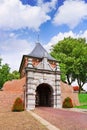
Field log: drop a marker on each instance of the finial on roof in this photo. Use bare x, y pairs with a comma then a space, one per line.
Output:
38, 38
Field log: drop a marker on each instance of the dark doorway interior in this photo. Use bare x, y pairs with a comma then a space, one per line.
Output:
44, 95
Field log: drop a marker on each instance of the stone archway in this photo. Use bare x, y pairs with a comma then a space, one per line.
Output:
44, 95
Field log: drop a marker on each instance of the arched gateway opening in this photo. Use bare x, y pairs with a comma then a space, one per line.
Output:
44, 95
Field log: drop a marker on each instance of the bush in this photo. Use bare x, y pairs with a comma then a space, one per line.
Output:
18, 105
67, 103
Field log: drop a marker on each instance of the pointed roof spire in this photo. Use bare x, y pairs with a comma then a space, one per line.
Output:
38, 38
40, 52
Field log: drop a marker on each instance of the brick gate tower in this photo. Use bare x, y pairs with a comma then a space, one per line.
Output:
42, 79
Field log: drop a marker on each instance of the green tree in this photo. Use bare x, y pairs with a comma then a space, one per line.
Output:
80, 66
71, 53
6, 75
4, 71
14, 75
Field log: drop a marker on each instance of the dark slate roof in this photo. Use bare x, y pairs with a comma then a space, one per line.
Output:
40, 52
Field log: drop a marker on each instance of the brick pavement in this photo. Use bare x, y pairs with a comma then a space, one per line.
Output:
47, 124
64, 119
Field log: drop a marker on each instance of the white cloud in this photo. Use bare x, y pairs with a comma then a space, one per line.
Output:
12, 51
11, 35
71, 13
48, 6
39, 2
15, 15
60, 36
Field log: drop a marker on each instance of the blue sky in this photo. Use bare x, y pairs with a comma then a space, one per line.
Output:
22, 21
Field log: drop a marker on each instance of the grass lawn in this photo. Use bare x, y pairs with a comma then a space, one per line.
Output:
82, 100
82, 107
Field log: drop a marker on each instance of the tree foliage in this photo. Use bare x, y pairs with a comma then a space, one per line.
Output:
4, 71
6, 75
72, 55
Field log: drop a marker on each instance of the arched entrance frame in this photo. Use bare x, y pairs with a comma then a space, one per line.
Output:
44, 95
34, 77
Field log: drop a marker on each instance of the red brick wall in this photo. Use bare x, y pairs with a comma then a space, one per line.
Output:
7, 99
67, 91
11, 90
15, 85
14, 89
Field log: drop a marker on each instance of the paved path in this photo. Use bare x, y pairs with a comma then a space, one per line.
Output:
47, 124
64, 119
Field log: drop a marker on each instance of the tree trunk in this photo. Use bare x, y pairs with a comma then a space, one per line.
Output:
79, 89
68, 80
80, 86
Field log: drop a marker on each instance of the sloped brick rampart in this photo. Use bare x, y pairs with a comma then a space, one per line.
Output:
11, 90
15, 85
7, 99
67, 91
